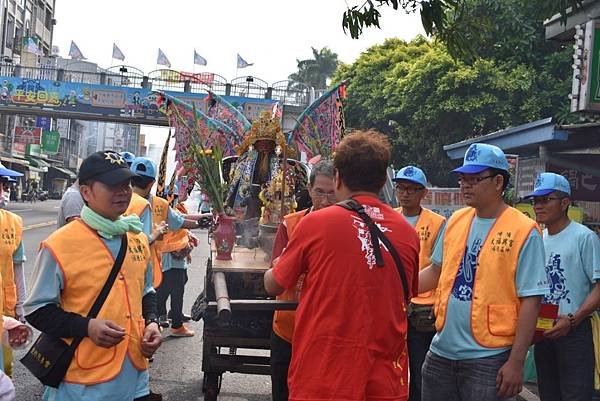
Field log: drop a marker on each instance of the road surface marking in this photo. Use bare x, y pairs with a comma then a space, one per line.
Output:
39, 225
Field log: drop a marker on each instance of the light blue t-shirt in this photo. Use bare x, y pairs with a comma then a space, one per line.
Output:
48, 283
19, 254
169, 262
412, 220
146, 219
174, 219
572, 266
456, 341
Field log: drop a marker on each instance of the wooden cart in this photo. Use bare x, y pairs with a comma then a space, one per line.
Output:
238, 318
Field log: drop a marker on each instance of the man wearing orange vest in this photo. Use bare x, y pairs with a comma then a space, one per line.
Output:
321, 191
176, 247
161, 212
490, 277
72, 265
12, 256
411, 189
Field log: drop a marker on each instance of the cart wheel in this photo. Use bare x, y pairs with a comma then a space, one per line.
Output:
211, 386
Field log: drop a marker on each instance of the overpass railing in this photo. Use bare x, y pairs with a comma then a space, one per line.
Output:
286, 92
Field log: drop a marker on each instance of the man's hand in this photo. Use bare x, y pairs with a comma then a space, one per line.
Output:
105, 333
561, 328
152, 340
18, 336
509, 381
160, 229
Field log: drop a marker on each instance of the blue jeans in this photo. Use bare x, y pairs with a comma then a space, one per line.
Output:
418, 346
464, 380
565, 367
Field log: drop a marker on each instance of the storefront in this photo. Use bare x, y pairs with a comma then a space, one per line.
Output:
58, 179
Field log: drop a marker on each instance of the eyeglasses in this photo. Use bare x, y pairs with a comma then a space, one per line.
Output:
471, 180
329, 195
542, 200
408, 190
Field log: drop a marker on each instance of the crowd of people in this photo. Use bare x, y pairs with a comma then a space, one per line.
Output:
394, 304
405, 304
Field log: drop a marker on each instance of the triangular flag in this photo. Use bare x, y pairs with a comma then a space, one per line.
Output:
198, 59
241, 63
75, 53
117, 53
162, 59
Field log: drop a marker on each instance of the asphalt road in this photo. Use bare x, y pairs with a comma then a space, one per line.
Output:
176, 370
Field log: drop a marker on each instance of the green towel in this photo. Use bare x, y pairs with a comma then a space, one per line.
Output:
110, 228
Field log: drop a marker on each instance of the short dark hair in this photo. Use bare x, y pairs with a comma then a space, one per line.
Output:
362, 159
324, 168
141, 181
505, 175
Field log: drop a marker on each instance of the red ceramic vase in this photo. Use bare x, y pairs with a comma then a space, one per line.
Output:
224, 236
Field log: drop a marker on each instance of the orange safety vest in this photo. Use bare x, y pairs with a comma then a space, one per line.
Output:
82, 283
428, 227
138, 206
175, 240
495, 304
11, 231
283, 321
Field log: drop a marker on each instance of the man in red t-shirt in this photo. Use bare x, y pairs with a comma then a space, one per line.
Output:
349, 339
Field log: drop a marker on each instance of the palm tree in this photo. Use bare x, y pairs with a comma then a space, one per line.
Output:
316, 71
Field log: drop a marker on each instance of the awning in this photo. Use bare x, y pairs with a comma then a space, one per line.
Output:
37, 162
35, 169
65, 172
9, 159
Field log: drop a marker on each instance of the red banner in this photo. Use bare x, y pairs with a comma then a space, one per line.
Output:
28, 135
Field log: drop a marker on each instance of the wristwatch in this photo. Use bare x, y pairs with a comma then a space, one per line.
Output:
152, 320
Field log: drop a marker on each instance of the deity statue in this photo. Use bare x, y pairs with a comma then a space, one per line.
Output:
259, 160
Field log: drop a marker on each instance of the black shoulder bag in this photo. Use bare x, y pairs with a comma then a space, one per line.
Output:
353, 205
49, 357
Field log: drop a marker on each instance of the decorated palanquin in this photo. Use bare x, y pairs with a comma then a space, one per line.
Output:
262, 177
257, 168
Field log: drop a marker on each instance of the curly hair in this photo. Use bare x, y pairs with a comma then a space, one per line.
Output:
362, 159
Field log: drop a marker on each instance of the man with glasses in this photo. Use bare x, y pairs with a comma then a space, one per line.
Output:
565, 358
410, 191
490, 277
321, 191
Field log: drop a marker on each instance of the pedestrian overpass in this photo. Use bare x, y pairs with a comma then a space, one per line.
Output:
125, 94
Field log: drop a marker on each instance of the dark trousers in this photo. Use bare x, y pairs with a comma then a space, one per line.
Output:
463, 380
281, 355
565, 367
418, 346
173, 285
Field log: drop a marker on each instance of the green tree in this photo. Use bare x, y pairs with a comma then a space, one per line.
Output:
317, 70
423, 98
451, 21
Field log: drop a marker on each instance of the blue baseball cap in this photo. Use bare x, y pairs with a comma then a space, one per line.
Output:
481, 156
128, 156
546, 183
412, 174
175, 190
144, 167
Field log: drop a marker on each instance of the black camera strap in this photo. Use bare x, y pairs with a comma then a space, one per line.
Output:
376, 236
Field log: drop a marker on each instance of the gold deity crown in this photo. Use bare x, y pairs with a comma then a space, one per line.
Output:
266, 127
